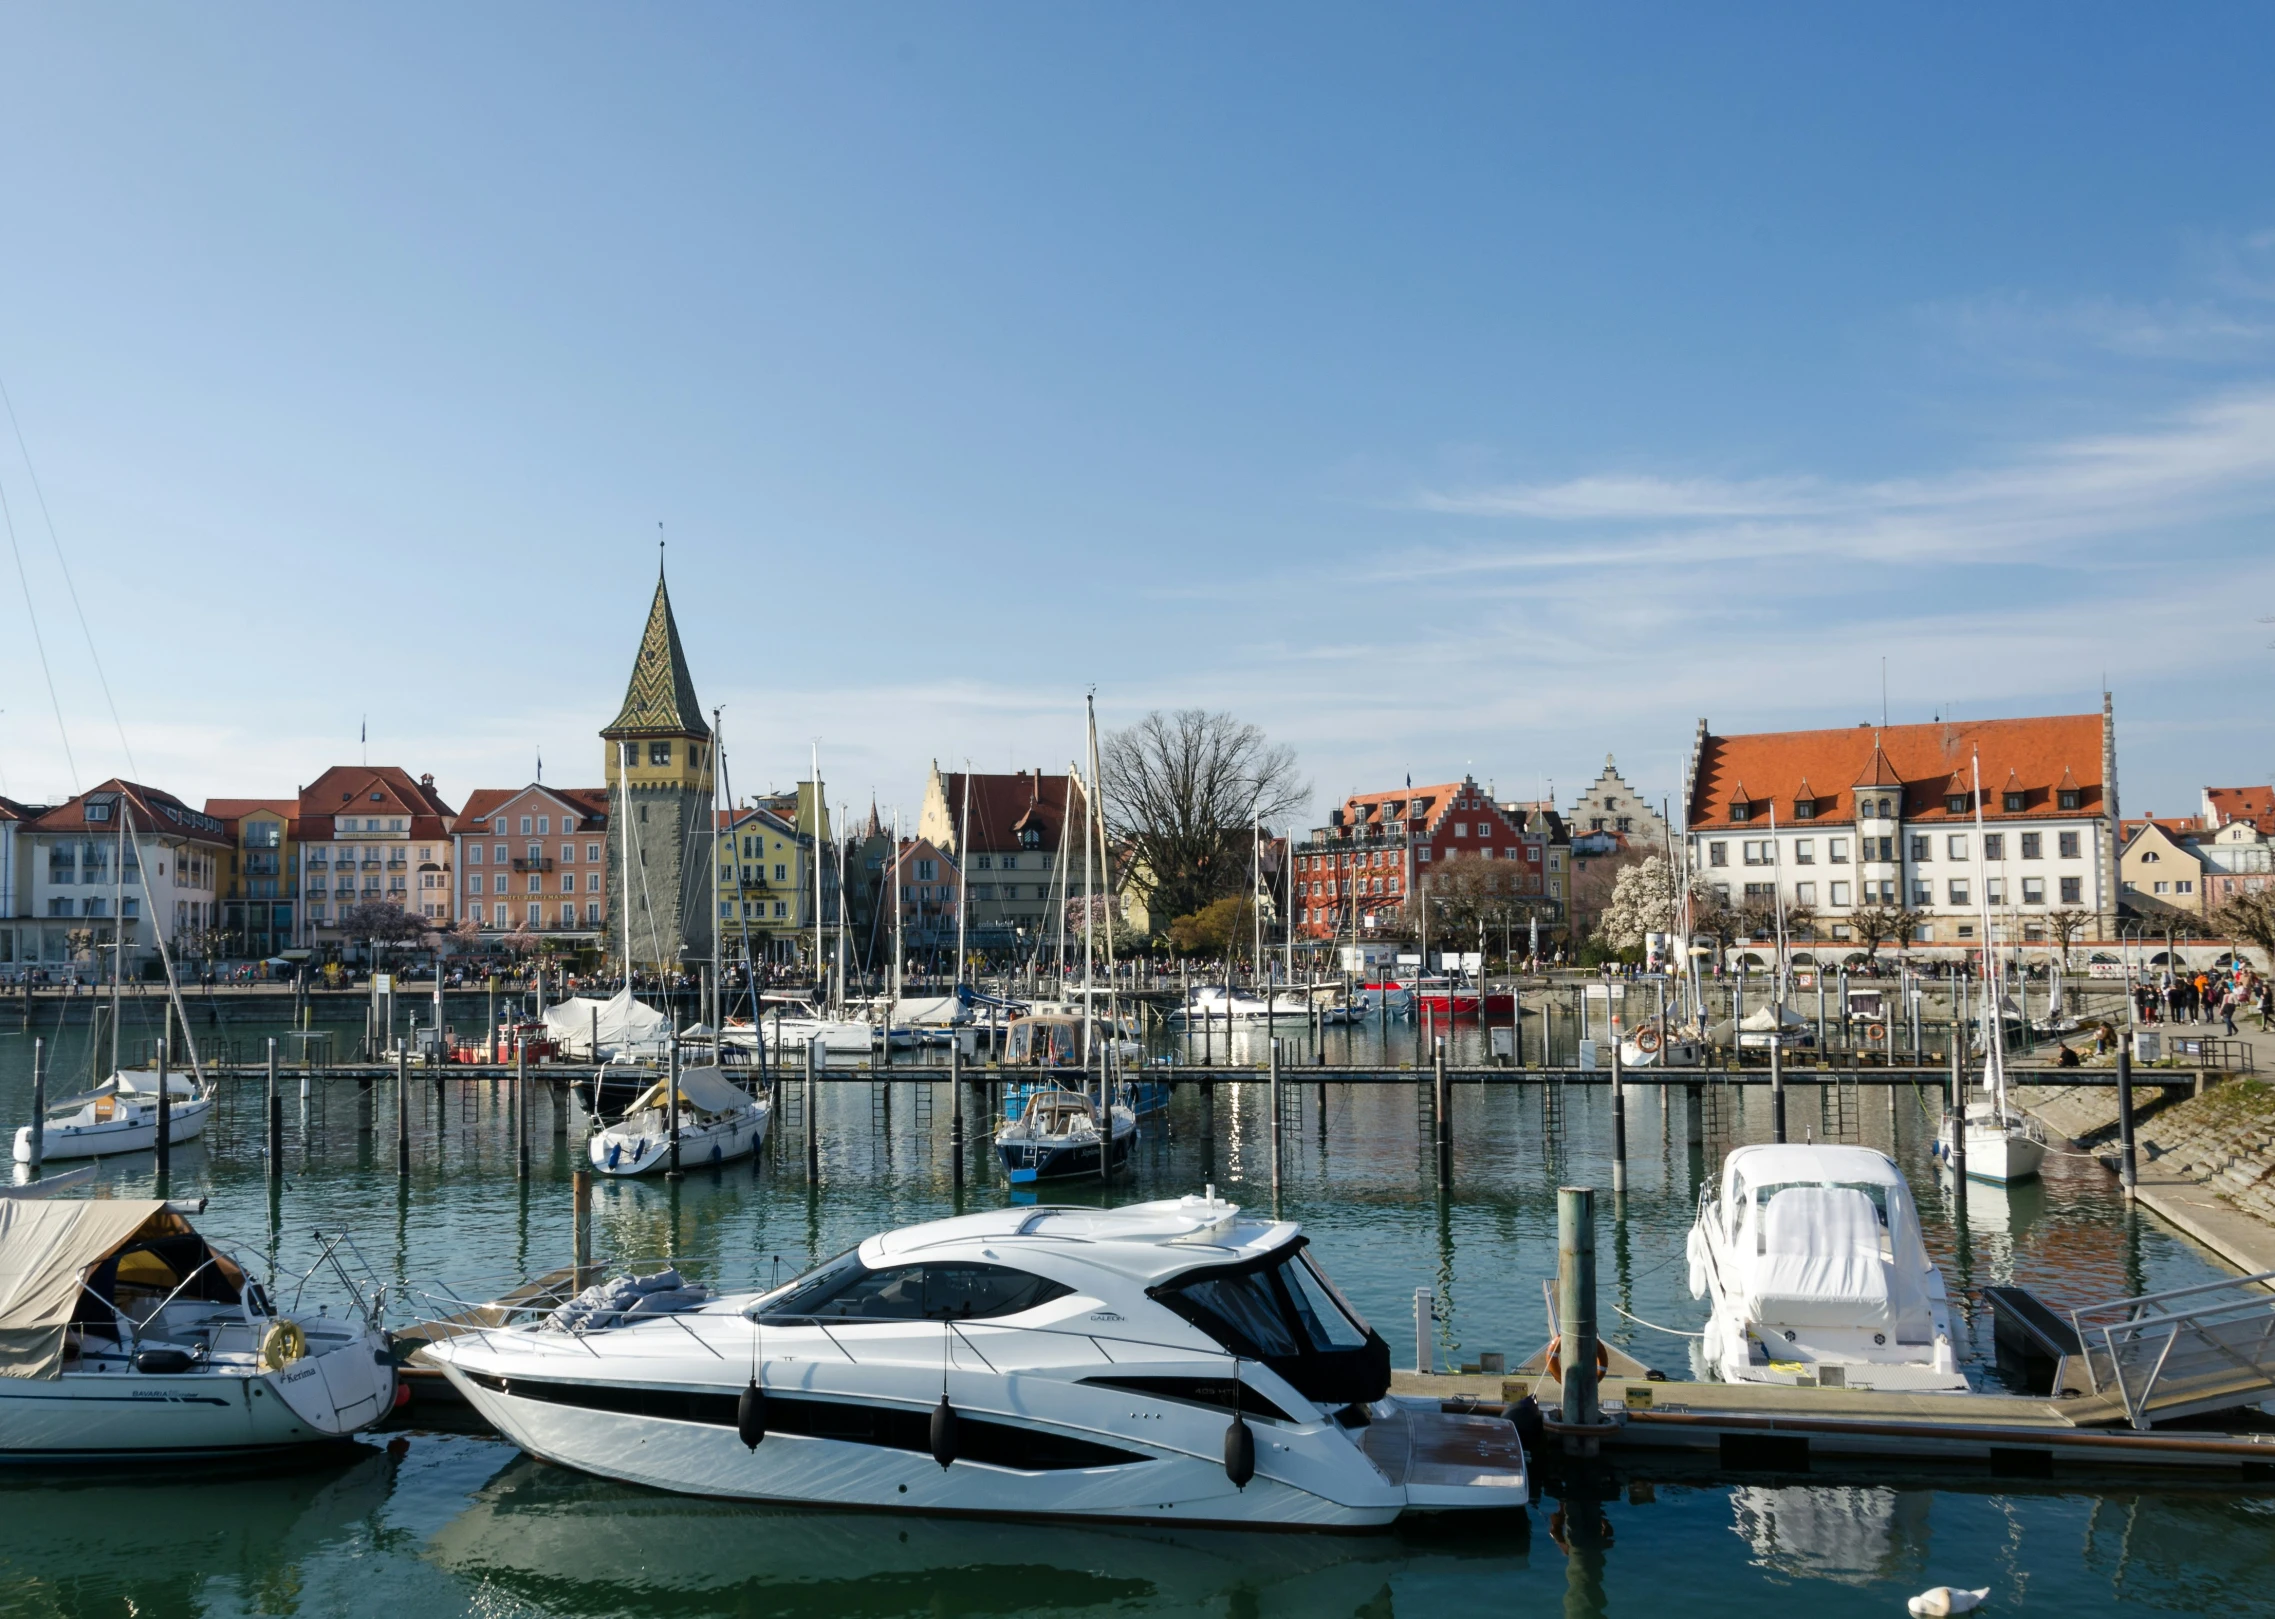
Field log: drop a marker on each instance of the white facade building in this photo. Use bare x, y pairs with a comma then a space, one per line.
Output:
1848, 821
78, 879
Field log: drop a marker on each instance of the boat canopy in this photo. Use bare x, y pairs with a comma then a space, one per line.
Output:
46, 1249
1827, 1236
624, 1024
705, 1090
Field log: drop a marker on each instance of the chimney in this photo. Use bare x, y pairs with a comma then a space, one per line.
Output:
427, 780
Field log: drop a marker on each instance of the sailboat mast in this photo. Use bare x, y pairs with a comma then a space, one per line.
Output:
1777, 888
1089, 956
963, 875
118, 922
900, 931
821, 972
1994, 1056
1106, 870
624, 756
718, 933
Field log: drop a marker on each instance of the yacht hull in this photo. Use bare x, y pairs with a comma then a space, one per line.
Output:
123, 1415
623, 1150
184, 1122
1160, 1483
2001, 1157
1048, 1160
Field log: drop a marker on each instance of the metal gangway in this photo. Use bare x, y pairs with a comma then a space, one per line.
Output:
2165, 1356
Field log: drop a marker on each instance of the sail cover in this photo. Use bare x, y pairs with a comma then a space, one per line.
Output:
624, 1026
45, 1248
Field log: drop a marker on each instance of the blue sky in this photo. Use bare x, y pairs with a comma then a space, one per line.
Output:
1481, 388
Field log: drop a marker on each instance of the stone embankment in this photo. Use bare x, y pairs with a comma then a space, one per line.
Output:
2207, 1161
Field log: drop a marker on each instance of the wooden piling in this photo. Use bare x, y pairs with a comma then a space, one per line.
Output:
520, 1111
956, 1105
1576, 1302
39, 1092
2128, 1171
813, 1120
1619, 1119
403, 1112
275, 1121
165, 1141
1777, 1086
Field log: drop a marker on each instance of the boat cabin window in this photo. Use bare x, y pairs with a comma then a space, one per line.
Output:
1284, 1312
847, 1290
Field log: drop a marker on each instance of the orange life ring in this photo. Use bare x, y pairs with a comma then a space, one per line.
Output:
1647, 1039
1876, 1032
1556, 1358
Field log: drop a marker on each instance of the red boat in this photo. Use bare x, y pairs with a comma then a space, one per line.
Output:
1452, 998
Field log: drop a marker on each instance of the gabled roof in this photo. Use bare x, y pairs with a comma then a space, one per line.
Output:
2163, 837
660, 700
2253, 804
10, 810
590, 804
2046, 755
150, 810
338, 788
1003, 808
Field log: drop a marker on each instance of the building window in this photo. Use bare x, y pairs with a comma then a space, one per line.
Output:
1923, 850
1923, 891
1994, 845
781, 874
1805, 851
1761, 891
1958, 846
1840, 893
1959, 891
1722, 893
1758, 852
2033, 890
1956, 803
592, 853
592, 882
1836, 851
544, 826
1994, 890
525, 825
473, 854
1804, 893
2164, 888
781, 909
1010, 862
986, 862
2033, 845
2184, 886
1887, 891
1461, 828
659, 753
568, 882
473, 882
2070, 799
1739, 811
1423, 854
2073, 890
592, 913
568, 854
1718, 854
2014, 803
1804, 809
536, 883
2068, 844
1841, 930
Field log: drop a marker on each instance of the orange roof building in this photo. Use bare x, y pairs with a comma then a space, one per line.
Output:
1842, 822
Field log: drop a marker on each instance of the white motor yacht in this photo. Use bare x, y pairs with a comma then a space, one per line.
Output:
120, 1115
1062, 1134
1170, 1362
788, 1032
125, 1336
718, 1121
1819, 1274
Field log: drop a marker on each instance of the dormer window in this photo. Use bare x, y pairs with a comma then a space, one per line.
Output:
2070, 798
2014, 803
98, 812
1032, 838
1804, 809
1740, 810
1955, 803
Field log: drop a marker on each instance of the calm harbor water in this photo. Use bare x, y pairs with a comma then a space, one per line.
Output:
448, 1522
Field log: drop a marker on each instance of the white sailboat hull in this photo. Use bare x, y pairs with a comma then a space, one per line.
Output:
99, 1138
642, 1146
2001, 1153
117, 1415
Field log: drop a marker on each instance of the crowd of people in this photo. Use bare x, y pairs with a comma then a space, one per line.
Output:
2206, 998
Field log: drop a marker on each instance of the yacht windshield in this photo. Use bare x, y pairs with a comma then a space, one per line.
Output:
1282, 1311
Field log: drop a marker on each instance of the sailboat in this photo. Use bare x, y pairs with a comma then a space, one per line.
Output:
2003, 1144
122, 1113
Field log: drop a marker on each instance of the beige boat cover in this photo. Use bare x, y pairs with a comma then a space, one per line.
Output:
625, 1025
45, 1247
705, 1090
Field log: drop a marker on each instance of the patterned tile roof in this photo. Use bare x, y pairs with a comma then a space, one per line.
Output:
661, 699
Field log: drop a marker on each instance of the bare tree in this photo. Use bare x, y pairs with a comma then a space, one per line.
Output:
1877, 925
381, 924
2066, 926
1182, 791
2249, 918
1472, 895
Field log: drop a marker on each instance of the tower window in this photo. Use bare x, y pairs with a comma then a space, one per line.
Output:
659, 753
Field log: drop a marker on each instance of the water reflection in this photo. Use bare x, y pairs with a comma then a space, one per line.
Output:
574, 1544
1854, 1536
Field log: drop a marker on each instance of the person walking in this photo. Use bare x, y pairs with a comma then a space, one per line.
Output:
2266, 1005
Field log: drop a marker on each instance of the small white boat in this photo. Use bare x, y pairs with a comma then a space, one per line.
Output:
1061, 1134
1215, 1004
718, 1122
1657, 1045
120, 1115
788, 1033
1818, 1272
124, 1336
2003, 1144
1169, 1363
